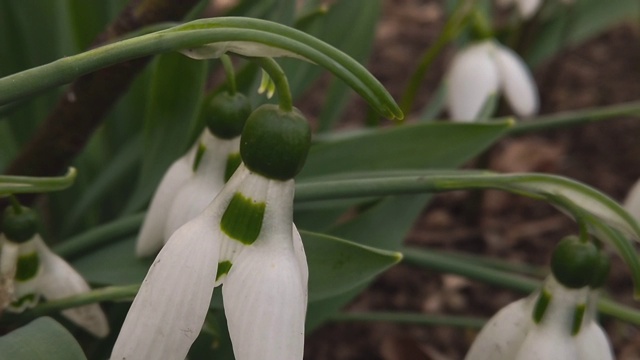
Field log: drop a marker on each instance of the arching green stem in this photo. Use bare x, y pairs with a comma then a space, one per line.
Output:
279, 79
230, 72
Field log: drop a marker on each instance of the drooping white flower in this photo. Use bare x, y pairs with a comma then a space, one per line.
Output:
186, 189
246, 240
38, 272
555, 323
527, 8
483, 69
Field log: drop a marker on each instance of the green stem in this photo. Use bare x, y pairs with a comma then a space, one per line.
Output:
410, 318
451, 29
15, 204
229, 71
279, 78
425, 259
577, 117
202, 33
11, 184
99, 236
110, 293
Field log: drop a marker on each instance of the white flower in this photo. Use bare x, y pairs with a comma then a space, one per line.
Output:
483, 69
527, 8
246, 240
183, 193
38, 272
564, 329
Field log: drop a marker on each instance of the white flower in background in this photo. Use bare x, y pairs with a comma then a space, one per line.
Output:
483, 69
556, 323
246, 240
527, 8
38, 272
186, 189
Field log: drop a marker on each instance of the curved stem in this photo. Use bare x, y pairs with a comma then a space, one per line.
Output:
279, 78
10, 184
229, 71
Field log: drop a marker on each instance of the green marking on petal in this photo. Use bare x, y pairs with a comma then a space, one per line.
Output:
541, 306
27, 267
199, 153
242, 220
223, 268
578, 316
25, 301
233, 161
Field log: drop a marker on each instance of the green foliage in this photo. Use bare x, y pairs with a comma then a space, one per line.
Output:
41, 339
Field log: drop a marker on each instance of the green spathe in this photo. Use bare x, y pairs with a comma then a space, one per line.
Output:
275, 142
242, 220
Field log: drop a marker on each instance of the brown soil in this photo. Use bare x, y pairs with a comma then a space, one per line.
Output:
604, 71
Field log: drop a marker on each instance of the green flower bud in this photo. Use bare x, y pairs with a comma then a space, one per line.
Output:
225, 114
19, 226
275, 142
573, 261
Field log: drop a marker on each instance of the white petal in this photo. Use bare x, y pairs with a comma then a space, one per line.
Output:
592, 343
151, 235
501, 337
528, 8
26, 291
8, 262
472, 78
298, 249
552, 338
167, 314
246, 48
517, 82
203, 186
265, 304
265, 293
59, 280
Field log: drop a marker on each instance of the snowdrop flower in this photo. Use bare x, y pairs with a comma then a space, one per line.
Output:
245, 239
195, 179
483, 69
555, 323
38, 272
527, 8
